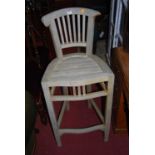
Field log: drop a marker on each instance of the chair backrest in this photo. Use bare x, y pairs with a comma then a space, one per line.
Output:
71, 27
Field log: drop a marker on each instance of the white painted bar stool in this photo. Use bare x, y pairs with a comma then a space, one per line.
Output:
74, 27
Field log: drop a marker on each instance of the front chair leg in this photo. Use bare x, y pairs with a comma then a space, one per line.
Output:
52, 115
108, 109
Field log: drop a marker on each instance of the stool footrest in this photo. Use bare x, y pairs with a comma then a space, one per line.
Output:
82, 130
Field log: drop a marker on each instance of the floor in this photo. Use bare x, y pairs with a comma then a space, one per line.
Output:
92, 143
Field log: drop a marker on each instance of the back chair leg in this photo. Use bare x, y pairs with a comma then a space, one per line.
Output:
89, 101
108, 109
65, 91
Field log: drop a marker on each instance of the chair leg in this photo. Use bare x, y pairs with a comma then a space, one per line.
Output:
89, 101
108, 109
52, 115
65, 91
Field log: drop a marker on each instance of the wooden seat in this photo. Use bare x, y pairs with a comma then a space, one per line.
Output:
74, 27
76, 69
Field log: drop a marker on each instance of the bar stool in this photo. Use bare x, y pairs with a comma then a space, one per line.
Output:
76, 73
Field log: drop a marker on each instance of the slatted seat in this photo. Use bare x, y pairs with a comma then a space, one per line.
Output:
75, 70
74, 27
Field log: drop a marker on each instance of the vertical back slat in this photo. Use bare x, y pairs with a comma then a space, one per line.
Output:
78, 28
90, 35
74, 32
65, 28
83, 28
69, 28
60, 30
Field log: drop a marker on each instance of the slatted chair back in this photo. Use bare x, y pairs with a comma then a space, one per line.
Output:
71, 27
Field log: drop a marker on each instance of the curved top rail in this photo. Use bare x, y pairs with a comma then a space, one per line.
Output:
68, 11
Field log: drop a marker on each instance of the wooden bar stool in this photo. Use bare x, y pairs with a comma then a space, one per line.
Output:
74, 27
